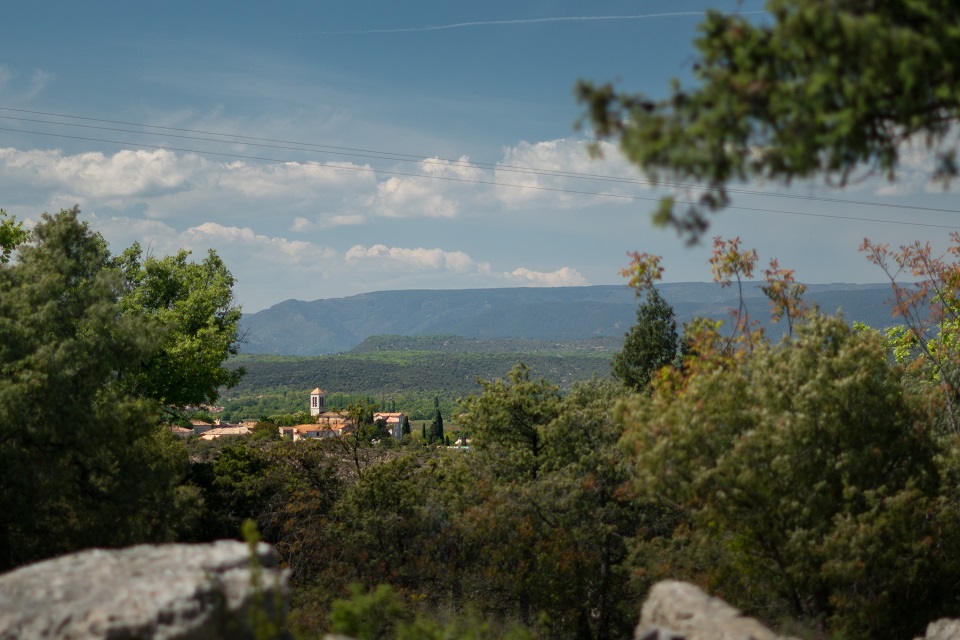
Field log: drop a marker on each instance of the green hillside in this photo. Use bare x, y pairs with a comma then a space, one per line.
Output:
408, 373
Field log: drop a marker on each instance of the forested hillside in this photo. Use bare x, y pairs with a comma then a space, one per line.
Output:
410, 371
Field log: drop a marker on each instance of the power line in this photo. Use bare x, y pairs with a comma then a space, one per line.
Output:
288, 145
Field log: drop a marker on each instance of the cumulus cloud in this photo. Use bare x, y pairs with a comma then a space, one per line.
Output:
94, 174
439, 194
162, 176
563, 277
418, 259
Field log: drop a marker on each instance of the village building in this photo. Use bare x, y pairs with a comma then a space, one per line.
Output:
217, 432
329, 424
200, 426
394, 422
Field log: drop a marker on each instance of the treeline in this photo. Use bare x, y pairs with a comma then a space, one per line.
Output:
459, 344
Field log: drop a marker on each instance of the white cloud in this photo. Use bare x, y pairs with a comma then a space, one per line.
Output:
563, 277
264, 181
550, 172
163, 176
419, 258
96, 175
281, 249
437, 195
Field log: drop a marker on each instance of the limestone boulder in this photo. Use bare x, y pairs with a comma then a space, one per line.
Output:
149, 592
682, 611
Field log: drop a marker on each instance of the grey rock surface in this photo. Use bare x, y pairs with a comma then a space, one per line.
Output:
680, 610
148, 592
944, 629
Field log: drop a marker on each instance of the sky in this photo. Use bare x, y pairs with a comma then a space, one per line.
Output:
334, 148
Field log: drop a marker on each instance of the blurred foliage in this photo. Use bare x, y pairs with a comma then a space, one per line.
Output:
832, 90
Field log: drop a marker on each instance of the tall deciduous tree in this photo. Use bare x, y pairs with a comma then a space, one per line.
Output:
652, 343
823, 89
193, 304
78, 453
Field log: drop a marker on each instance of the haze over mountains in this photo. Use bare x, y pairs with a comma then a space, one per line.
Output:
337, 325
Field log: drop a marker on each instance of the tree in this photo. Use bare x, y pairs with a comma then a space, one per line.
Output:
651, 344
78, 452
265, 430
510, 416
436, 428
812, 474
193, 303
405, 427
822, 89
929, 310
12, 235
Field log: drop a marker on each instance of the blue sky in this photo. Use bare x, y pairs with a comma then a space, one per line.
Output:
365, 146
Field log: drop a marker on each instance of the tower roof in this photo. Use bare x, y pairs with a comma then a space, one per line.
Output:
317, 391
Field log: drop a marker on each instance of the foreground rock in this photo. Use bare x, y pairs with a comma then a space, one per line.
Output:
944, 629
682, 611
168, 592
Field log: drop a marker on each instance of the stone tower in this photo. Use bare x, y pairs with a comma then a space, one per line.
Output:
317, 404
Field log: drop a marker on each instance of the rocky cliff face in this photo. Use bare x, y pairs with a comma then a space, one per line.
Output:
169, 592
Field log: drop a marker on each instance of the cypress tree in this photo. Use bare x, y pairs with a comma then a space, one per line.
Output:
436, 427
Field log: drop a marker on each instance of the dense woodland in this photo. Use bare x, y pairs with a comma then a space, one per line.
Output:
812, 481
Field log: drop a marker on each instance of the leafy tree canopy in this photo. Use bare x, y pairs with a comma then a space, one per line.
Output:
193, 304
78, 452
822, 89
511, 415
12, 234
813, 472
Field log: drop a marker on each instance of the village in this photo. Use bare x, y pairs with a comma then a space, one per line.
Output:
327, 424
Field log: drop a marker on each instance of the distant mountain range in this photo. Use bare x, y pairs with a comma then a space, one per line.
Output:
337, 325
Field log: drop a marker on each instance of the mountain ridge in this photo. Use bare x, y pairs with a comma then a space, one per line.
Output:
337, 325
